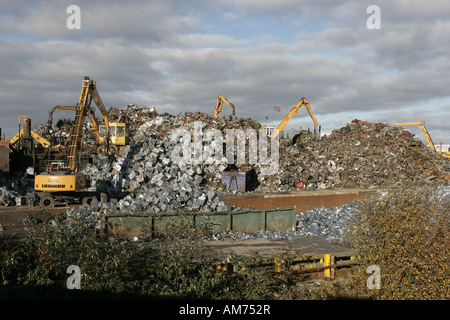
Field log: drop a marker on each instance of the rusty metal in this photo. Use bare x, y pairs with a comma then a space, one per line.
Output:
302, 200
155, 224
325, 266
234, 180
4, 154
242, 180
14, 215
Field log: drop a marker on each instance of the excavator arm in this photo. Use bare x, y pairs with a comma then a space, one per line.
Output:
83, 109
91, 115
59, 107
220, 101
98, 101
424, 130
292, 112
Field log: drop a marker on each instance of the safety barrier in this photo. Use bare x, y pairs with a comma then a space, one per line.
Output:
326, 264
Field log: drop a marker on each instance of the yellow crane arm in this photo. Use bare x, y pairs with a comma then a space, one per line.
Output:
88, 93
98, 101
424, 130
220, 101
81, 112
58, 107
292, 112
44, 142
16, 137
41, 139
91, 114
62, 108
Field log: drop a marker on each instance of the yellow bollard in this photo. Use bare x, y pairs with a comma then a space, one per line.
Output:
277, 262
328, 263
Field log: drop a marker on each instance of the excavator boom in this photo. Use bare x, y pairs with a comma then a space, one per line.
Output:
80, 115
98, 101
91, 114
424, 130
82, 110
220, 101
292, 112
117, 136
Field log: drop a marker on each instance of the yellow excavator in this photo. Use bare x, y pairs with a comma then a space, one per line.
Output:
426, 134
220, 102
63, 183
292, 112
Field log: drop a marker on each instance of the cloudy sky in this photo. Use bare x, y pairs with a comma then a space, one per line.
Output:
179, 56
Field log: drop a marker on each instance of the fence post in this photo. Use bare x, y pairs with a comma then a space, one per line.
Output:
328, 263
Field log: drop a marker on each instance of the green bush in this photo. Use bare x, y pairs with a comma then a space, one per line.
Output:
42, 259
175, 266
405, 232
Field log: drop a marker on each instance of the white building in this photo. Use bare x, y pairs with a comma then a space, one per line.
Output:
325, 133
442, 147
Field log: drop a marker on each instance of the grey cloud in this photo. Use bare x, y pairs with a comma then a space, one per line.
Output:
149, 21
194, 78
436, 125
163, 57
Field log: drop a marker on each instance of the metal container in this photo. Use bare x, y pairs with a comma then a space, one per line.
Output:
239, 180
156, 224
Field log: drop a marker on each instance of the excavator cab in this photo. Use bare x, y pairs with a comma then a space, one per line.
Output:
118, 133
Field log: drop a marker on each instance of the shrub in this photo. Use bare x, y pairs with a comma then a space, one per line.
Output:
175, 266
405, 232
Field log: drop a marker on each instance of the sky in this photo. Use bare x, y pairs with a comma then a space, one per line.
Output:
179, 56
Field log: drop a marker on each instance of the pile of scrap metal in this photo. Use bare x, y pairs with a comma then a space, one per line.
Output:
360, 155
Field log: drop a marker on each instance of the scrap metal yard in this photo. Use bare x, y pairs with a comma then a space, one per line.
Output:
283, 196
